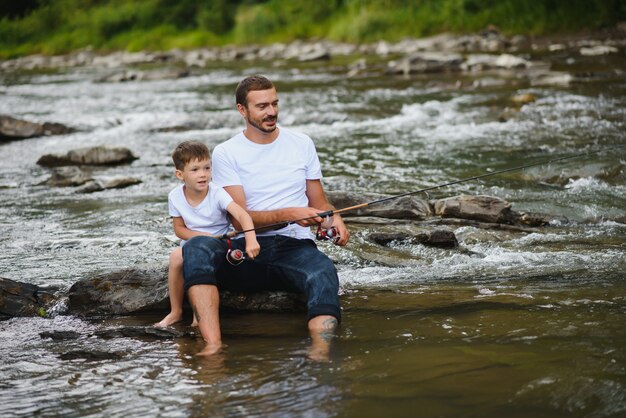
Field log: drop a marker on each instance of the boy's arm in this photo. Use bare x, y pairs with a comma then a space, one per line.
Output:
181, 230
241, 216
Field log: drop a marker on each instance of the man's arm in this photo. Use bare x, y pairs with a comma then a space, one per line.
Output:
271, 217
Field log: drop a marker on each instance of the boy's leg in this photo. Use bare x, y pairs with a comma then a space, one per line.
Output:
205, 301
202, 257
175, 283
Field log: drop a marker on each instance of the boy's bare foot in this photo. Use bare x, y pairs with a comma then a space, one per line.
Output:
210, 349
170, 319
194, 323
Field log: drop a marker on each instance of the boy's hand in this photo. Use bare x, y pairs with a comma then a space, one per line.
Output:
252, 248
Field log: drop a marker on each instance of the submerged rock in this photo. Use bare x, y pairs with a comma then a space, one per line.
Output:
68, 177
438, 238
92, 355
114, 183
144, 332
89, 156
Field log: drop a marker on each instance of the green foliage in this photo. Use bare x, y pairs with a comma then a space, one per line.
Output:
57, 26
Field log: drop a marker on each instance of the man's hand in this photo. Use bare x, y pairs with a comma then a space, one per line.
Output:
344, 234
305, 216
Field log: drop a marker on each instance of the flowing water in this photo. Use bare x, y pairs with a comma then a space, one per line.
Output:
511, 324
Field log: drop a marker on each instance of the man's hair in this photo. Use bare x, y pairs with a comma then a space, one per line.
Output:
189, 151
248, 84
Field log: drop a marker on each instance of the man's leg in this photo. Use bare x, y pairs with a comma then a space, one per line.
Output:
322, 329
313, 273
205, 301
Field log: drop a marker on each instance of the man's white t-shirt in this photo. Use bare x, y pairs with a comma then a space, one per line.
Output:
273, 175
209, 216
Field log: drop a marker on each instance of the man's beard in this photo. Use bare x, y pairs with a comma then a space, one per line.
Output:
258, 124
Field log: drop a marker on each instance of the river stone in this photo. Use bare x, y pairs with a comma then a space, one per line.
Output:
60, 335
121, 292
92, 355
24, 299
136, 290
406, 207
438, 238
68, 177
151, 332
480, 208
427, 62
89, 156
114, 183
12, 128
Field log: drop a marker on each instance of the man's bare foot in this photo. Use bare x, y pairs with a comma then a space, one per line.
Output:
210, 349
319, 353
170, 319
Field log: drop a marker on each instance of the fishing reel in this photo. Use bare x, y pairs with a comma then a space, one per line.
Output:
236, 256
327, 232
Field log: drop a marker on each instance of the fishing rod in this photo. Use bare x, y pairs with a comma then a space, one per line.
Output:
329, 213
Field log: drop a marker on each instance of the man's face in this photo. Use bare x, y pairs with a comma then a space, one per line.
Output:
262, 110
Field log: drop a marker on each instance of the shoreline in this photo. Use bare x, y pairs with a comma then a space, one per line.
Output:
488, 41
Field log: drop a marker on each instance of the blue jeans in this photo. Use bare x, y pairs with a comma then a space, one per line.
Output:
284, 263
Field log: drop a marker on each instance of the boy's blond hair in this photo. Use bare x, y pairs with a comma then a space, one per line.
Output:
189, 151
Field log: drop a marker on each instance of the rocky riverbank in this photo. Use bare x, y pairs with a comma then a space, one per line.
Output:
486, 50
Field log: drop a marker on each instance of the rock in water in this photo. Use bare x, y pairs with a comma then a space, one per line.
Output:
24, 299
89, 156
479, 208
121, 292
12, 128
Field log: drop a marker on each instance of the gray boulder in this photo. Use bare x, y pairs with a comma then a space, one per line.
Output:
89, 156
135, 290
406, 207
480, 208
12, 128
24, 299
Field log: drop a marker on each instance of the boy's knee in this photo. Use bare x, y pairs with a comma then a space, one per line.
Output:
176, 256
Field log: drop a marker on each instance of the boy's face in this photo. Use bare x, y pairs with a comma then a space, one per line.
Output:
196, 175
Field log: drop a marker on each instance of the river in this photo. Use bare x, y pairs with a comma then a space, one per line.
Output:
511, 324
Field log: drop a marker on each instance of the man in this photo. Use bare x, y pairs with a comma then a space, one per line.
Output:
275, 174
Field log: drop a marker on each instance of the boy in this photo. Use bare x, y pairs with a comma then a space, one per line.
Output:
199, 207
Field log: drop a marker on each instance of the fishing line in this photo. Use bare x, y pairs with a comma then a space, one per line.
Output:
332, 212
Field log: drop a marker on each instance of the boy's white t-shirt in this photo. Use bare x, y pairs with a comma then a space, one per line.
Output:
273, 175
209, 216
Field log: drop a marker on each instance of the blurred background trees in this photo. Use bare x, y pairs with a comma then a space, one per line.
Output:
58, 26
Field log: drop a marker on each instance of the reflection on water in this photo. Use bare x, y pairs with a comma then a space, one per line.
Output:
514, 323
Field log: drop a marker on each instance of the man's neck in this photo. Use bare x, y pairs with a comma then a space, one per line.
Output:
259, 137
